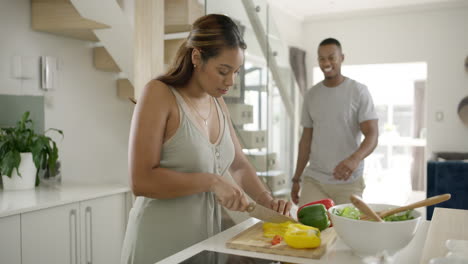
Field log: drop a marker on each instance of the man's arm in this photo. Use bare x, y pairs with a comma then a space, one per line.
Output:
302, 160
304, 151
370, 131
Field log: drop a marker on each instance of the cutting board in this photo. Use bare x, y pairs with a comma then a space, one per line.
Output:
252, 239
445, 224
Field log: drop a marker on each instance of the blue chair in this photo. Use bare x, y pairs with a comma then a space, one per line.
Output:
449, 176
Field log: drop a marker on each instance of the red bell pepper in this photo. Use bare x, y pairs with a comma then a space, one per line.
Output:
326, 202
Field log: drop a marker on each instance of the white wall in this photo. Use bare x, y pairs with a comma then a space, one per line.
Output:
85, 105
438, 37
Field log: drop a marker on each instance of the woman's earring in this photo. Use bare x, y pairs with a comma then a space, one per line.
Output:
194, 66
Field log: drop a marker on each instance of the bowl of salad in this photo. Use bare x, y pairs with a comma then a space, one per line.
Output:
371, 238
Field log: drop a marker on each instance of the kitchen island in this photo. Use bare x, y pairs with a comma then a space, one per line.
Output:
337, 253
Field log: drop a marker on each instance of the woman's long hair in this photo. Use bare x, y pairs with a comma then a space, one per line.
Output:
209, 34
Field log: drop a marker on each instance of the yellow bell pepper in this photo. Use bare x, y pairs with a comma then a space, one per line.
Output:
302, 236
273, 229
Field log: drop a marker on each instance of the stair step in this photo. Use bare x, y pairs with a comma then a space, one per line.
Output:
235, 90
171, 46
61, 17
179, 35
125, 89
241, 113
276, 180
262, 161
180, 14
252, 139
104, 61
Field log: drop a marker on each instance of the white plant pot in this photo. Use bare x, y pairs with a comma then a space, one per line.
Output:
27, 180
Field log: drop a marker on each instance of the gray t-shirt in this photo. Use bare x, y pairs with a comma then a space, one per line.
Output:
335, 113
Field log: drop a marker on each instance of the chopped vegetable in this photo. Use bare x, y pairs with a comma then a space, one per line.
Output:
273, 229
302, 236
399, 217
276, 240
349, 212
354, 213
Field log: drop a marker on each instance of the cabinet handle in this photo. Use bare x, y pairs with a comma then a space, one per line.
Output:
73, 237
89, 232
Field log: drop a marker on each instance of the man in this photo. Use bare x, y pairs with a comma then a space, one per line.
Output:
336, 112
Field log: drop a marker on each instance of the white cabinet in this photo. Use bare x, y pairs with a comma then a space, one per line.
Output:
10, 243
50, 235
102, 225
90, 231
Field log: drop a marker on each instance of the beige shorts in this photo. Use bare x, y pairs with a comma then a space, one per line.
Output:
313, 190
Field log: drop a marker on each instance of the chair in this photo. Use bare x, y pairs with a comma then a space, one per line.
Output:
448, 173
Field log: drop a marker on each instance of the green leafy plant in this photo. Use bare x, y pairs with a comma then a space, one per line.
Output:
22, 138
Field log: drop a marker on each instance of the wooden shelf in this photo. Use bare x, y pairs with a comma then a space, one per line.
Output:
60, 17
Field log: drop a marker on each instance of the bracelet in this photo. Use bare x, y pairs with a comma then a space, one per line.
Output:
260, 195
296, 180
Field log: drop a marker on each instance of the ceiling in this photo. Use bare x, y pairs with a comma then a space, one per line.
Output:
309, 9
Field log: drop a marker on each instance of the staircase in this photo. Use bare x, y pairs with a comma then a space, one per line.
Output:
111, 32
263, 103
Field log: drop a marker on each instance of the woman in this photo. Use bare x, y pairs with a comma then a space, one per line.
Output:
182, 145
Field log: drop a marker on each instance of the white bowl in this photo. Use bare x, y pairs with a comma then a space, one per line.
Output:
369, 238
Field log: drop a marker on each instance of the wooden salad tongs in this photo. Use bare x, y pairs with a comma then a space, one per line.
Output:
364, 208
427, 202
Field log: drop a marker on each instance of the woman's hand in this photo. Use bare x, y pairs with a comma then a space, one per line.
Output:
229, 195
279, 205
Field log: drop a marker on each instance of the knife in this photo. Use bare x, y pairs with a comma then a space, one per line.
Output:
266, 214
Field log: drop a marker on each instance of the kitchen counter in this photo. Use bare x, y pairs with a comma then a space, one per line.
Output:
337, 253
43, 196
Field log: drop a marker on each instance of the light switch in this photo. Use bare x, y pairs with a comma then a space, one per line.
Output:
439, 116
23, 67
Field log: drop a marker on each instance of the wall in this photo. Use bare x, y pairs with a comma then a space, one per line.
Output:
438, 37
289, 27
85, 105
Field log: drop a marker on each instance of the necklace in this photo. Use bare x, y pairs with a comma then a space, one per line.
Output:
205, 120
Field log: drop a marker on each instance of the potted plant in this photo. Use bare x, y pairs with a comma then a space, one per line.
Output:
23, 153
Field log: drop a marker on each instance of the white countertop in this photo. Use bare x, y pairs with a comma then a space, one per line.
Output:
43, 196
338, 252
